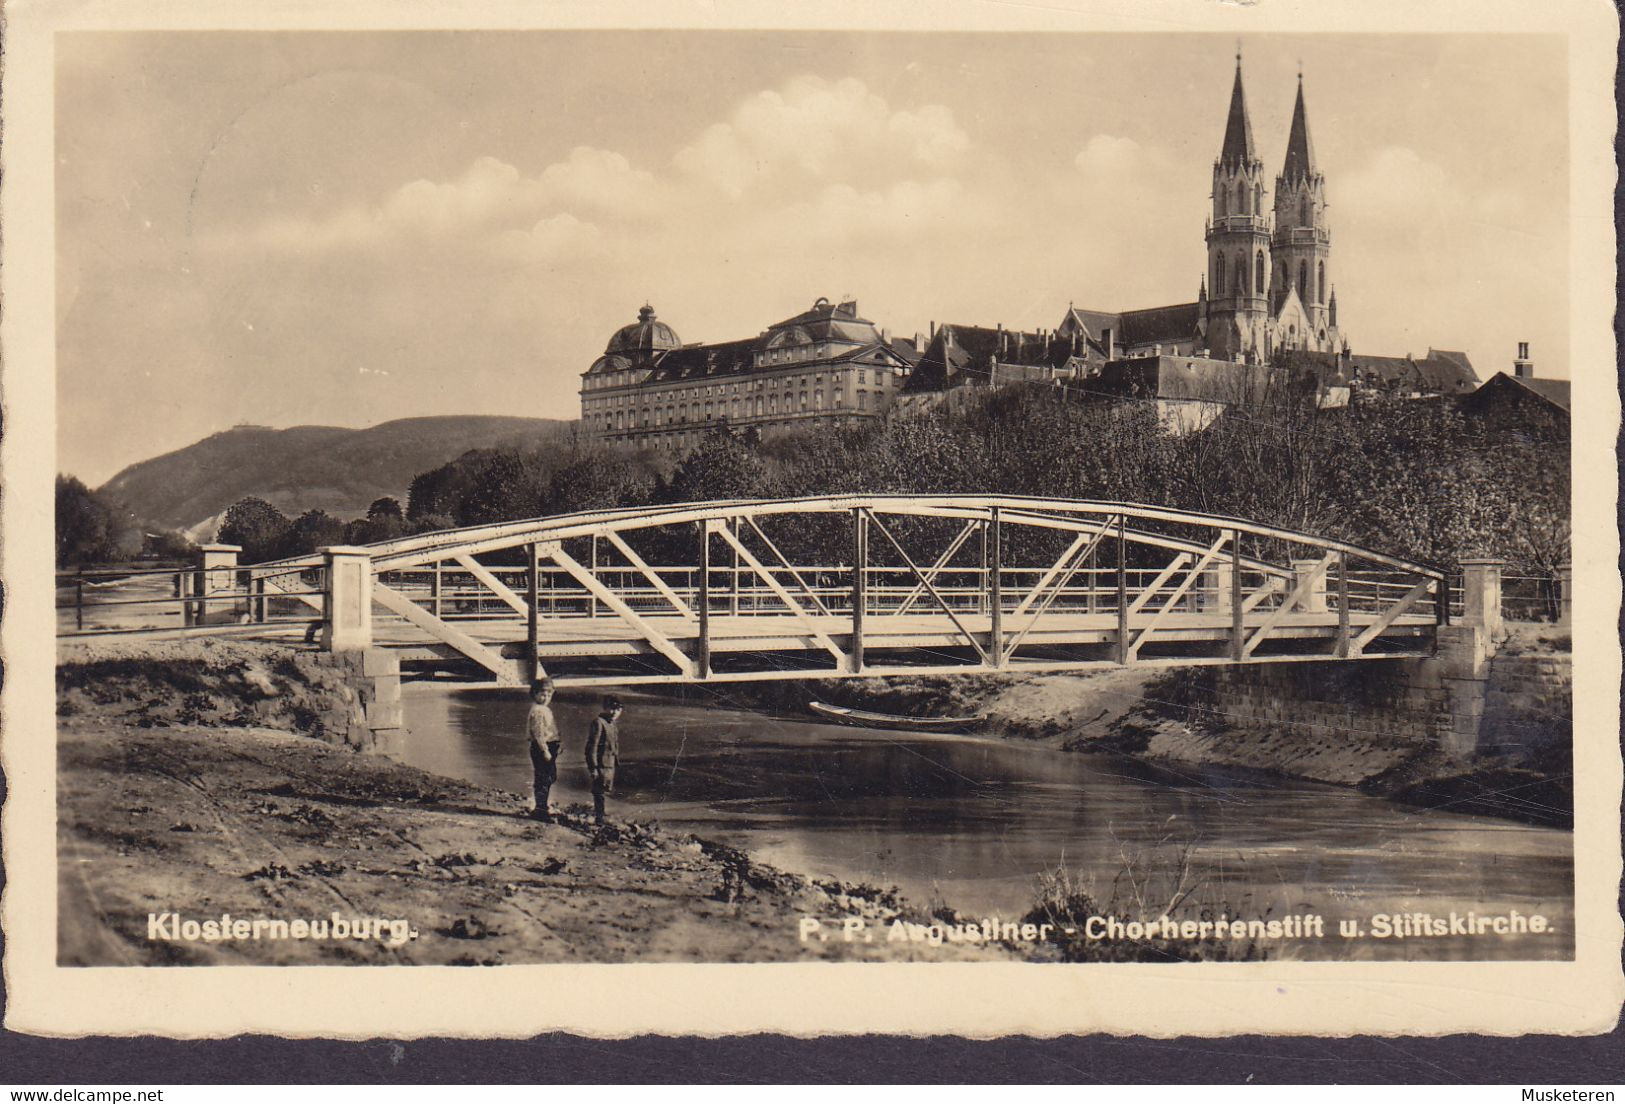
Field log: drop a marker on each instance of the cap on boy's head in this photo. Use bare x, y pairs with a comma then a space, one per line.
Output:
611, 703
541, 684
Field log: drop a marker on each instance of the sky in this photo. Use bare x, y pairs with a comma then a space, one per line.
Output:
343, 228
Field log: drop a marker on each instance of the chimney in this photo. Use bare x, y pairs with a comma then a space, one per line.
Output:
1523, 367
885, 336
933, 329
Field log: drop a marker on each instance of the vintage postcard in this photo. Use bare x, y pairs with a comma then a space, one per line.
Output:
869, 518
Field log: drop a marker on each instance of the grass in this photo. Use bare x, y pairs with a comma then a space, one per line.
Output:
1155, 881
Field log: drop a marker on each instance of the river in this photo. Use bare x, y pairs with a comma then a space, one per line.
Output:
975, 821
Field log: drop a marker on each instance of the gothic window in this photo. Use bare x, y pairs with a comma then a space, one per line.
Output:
1258, 273
1219, 285
1303, 280
1218, 201
1239, 277
1241, 198
1320, 284
1258, 199
1303, 210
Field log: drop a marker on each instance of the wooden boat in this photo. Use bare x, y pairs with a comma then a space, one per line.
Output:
860, 718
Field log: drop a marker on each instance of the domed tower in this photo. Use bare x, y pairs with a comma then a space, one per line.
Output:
1238, 242
647, 335
1303, 239
610, 387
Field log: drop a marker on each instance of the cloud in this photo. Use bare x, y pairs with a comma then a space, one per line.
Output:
818, 157
817, 128
1108, 155
553, 240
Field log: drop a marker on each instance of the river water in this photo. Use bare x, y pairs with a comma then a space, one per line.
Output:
975, 821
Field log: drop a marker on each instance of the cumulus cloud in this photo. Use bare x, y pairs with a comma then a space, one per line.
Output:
845, 161
1107, 154
817, 128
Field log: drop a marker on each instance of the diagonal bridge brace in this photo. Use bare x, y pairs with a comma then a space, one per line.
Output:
1133, 651
987, 658
1292, 600
1071, 560
1357, 646
414, 614
648, 573
658, 640
801, 616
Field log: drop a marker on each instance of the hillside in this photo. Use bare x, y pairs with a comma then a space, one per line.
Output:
310, 467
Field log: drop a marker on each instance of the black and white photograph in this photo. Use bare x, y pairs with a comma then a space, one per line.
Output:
819, 495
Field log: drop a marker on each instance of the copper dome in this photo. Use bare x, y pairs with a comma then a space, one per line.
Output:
646, 335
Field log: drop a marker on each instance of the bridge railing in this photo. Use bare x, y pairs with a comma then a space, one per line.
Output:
134, 601
457, 595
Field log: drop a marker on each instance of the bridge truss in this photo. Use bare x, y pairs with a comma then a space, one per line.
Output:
833, 586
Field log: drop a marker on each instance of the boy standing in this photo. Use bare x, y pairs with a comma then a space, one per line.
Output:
542, 733
603, 752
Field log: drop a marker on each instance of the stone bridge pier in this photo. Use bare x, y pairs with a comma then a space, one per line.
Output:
1461, 666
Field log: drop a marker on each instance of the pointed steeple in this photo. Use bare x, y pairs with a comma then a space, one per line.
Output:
1238, 131
1300, 151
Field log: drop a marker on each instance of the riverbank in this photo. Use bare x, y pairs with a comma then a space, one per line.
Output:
1522, 769
206, 781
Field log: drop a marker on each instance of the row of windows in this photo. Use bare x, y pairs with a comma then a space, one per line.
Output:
684, 439
735, 409
1240, 207
883, 378
1231, 278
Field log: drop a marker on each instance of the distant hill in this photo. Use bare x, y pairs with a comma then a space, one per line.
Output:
303, 468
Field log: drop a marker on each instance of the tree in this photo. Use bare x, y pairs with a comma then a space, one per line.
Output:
384, 521
258, 527
91, 527
311, 530
723, 466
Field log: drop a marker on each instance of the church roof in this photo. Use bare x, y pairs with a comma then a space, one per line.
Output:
1159, 324
1238, 146
1300, 150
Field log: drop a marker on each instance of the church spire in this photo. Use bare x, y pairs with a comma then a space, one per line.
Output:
1238, 131
1300, 151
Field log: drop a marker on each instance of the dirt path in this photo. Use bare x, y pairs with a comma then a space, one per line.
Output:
260, 824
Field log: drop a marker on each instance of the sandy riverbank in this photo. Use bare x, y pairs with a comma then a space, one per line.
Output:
201, 821
205, 778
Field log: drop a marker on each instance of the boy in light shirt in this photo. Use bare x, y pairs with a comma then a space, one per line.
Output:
542, 733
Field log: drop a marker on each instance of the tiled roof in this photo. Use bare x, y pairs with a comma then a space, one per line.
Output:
959, 350
1455, 358
1154, 324
1554, 391
1436, 374
723, 358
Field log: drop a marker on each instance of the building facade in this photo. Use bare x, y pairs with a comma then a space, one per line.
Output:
827, 366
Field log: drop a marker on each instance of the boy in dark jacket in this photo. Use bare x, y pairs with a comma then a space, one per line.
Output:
603, 752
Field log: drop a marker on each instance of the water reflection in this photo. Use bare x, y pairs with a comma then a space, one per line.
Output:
975, 820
